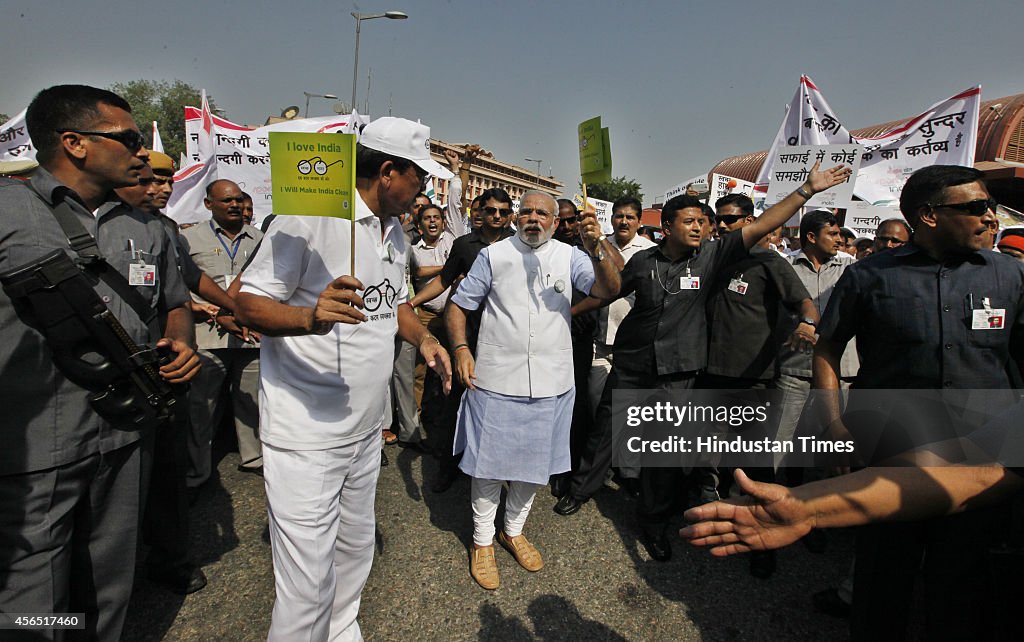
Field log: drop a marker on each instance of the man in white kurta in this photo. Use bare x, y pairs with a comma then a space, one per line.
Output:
322, 387
514, 420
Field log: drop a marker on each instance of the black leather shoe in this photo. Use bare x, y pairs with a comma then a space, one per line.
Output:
657, 545
182, 581
568, 505
829, 603
762, 564
251, 470
384, 461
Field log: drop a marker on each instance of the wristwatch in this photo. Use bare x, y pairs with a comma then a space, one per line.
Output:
802, 192
809, 321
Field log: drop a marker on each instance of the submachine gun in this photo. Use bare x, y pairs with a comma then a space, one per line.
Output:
90, 346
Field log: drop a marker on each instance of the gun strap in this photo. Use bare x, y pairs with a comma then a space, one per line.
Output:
84, 245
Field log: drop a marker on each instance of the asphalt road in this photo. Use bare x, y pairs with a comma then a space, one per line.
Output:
598, 582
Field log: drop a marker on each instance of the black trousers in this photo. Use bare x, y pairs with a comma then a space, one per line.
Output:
956, 572
165, 526
596, 457
67, 543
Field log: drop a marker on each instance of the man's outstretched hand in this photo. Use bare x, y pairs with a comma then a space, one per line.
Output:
768, 517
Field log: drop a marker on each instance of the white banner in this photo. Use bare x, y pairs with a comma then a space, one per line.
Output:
945, 134
809, 120
604, 211
863, 218
698, 184
243, 153
14, 141
792, 165
724, 185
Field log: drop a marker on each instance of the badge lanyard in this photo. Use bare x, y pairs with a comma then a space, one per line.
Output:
233, 251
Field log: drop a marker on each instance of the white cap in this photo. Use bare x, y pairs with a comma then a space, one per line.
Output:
404, 139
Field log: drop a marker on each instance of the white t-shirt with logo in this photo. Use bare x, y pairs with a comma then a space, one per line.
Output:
319, 392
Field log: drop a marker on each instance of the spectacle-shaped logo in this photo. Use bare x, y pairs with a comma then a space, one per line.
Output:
317, 165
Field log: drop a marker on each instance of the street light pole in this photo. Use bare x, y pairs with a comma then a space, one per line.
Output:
312, 95
391, 15
538, 161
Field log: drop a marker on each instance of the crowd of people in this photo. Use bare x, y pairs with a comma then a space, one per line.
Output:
507, 332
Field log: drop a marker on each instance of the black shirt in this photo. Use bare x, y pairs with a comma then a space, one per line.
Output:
463, 254
744, 314
666, 331
912, 317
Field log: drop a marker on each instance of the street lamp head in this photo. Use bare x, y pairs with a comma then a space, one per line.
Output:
395, 15
330, 96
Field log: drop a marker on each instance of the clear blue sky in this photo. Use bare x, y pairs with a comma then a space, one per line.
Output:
681, 85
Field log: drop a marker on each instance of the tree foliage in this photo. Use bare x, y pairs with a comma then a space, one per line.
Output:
4, 118
615, 188
165, 103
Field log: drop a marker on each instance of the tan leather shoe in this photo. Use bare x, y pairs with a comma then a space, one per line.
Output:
525, 553
482, 567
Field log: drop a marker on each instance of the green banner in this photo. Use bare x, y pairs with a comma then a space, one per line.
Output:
313, 174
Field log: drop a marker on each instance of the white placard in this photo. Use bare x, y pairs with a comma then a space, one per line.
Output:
863, 218
604, 211
792, 165
722, 185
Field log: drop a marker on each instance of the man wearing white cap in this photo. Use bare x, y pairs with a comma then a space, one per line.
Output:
322, 388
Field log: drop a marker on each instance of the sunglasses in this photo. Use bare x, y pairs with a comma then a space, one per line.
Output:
974, 208
526, 211
568, 219
491, 211
130, 138
729, 219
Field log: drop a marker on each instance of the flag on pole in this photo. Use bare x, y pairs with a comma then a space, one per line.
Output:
158, 144
186, 202
809, 120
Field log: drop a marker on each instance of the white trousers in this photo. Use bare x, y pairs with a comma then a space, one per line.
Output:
486, 495
320, 507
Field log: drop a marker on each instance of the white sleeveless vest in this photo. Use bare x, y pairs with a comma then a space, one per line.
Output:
524, 348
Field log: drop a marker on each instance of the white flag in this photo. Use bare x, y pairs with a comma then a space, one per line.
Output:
945, 134
186, 202
158, 144
809, 120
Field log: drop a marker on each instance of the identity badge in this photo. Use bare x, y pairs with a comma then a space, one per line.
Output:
689, 283
988, 319
738, 285
141, 274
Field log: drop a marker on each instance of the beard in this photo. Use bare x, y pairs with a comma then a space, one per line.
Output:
541, 239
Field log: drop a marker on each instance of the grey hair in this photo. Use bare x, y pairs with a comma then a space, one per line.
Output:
554, 202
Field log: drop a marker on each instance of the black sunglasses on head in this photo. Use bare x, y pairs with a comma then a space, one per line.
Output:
491, 211
975, 208
130, 138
